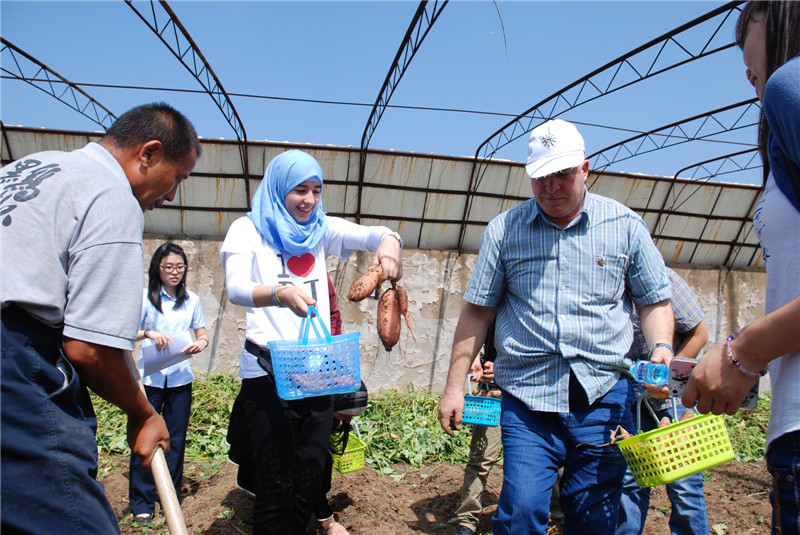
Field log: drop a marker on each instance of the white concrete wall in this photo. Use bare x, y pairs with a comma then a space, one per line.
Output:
435, 281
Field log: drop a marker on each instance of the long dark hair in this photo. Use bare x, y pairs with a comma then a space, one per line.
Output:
782, 21
154, 285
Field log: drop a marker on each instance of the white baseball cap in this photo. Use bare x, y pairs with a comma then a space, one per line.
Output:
554, 145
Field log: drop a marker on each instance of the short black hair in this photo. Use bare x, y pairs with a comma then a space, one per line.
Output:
156, 121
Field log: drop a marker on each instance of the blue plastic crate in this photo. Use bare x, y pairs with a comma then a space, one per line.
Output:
480, 410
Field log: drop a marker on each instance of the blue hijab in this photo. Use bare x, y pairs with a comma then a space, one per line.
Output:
284, 173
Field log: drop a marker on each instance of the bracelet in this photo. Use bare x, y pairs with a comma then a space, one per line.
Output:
738, 364
145, 333
274, 296
206, 341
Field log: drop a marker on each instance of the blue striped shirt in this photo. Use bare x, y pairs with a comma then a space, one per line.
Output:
685, 308
563, 297
687, 312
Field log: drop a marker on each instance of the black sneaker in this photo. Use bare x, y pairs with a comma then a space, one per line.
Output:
464, 530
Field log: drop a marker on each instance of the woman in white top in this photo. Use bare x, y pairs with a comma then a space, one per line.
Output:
274, 261
169, 309
769, 35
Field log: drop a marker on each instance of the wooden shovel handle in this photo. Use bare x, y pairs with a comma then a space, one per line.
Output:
166, 490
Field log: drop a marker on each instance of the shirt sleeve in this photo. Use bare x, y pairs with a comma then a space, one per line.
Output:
782, 108
344, 237
104, 273
685, 306
647, 281
236, 255
198, 319
487, 283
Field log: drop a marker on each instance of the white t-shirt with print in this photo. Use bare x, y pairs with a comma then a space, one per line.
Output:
249, 260
777, 223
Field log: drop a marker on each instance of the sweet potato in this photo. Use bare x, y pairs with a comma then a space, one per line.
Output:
389, 318
403, 297
366, 284
620, 433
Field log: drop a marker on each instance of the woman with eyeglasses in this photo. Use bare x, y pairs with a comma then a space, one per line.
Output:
169, 309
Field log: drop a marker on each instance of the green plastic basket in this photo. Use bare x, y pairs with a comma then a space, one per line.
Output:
678, 450
353, 457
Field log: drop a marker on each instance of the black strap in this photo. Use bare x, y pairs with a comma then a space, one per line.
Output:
262, 354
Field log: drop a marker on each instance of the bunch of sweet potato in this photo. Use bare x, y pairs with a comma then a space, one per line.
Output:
392, 304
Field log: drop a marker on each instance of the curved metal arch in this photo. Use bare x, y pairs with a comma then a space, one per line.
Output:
420, 25
618, 74
72, 95
623, 73
740, 161
418, 29
698, 127
735, 162
183, 47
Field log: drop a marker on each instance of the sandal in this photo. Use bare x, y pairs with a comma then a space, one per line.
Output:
143, 519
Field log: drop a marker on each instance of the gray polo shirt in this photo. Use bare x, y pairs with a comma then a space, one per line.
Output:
71, 239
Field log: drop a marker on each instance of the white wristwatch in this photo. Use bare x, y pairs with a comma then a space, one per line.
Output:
395, 235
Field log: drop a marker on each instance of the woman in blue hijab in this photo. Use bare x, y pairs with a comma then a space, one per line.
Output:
275, 266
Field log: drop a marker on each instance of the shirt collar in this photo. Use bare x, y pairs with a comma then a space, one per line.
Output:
165, 294
584, 216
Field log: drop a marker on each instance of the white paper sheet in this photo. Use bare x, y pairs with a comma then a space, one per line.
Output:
158, 359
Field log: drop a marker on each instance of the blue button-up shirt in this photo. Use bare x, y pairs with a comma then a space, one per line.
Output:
687, 312
563, 297
172, 321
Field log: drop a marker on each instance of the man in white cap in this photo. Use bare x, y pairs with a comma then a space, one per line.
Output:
560, 272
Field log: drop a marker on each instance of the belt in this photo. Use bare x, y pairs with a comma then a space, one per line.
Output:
256, 349
263, 355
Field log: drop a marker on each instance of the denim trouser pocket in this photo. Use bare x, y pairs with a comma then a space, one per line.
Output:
783, 463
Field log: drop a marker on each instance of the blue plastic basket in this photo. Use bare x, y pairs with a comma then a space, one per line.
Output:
306, 368
481, 410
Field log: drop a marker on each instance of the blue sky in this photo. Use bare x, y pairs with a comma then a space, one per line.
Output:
337, 51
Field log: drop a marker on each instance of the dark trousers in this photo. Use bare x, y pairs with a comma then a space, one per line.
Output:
49, 449
175, 405
281, 448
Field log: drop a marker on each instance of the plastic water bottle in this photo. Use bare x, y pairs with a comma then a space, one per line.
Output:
652, 373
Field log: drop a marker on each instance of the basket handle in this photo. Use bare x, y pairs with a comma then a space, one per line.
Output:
354, 425
641, 401
309, 319
469, 389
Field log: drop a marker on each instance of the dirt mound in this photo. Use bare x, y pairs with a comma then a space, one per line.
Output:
424, 501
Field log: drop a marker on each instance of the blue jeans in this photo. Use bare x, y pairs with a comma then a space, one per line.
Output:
783, 462
175, 405
536, 444
49, 449
688, 515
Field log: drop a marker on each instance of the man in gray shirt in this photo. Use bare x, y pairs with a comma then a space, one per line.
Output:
71, 236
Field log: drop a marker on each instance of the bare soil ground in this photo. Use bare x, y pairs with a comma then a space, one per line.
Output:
424, 500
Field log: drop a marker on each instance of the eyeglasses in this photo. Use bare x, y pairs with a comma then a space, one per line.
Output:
169, 268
